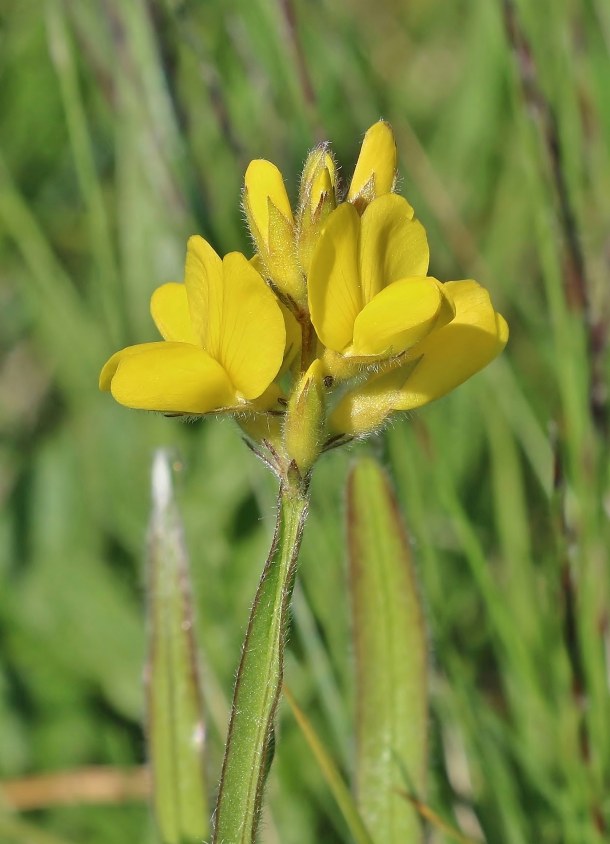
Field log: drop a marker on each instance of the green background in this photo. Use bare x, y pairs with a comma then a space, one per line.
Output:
127, 126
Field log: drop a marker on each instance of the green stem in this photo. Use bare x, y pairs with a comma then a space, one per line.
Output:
259, 679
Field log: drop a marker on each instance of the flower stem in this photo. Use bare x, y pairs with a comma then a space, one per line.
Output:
259, 678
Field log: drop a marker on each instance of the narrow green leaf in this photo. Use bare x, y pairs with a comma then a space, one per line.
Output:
436, 821
175, 719
64, 60
61, 318
331, 774
14, 830
390, 651
259, 680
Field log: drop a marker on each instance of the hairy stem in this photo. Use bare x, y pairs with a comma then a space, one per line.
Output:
259, 679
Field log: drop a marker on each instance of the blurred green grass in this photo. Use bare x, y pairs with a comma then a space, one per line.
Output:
124, 128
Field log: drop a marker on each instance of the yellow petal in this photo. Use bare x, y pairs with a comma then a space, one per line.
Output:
454, 353
253, 336
377, 160
236, 316
392, 245
172, 378
205, 293
398, 317
170, 311
447, 309
333, 285
110, 367
263, 182
272, 226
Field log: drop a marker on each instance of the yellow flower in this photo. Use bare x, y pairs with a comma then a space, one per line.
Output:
439, 363
369, 296
224, 340
375, 172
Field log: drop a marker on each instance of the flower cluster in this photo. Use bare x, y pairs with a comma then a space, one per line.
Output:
331, 327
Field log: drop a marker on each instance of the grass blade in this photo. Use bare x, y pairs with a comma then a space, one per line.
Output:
390, 650
436, 821
331, 774
175, 719
106, 287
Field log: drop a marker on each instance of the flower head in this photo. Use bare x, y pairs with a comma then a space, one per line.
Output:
331, 327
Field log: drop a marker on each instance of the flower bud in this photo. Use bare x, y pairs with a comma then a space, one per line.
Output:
318, 197
319, 161
272, 227
375, 172
305, 419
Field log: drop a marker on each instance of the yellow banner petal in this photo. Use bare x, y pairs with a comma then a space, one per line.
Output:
205, 293
333, 285
392, 245
170, 310
253, 332
398, 317
172, 378
451, 355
